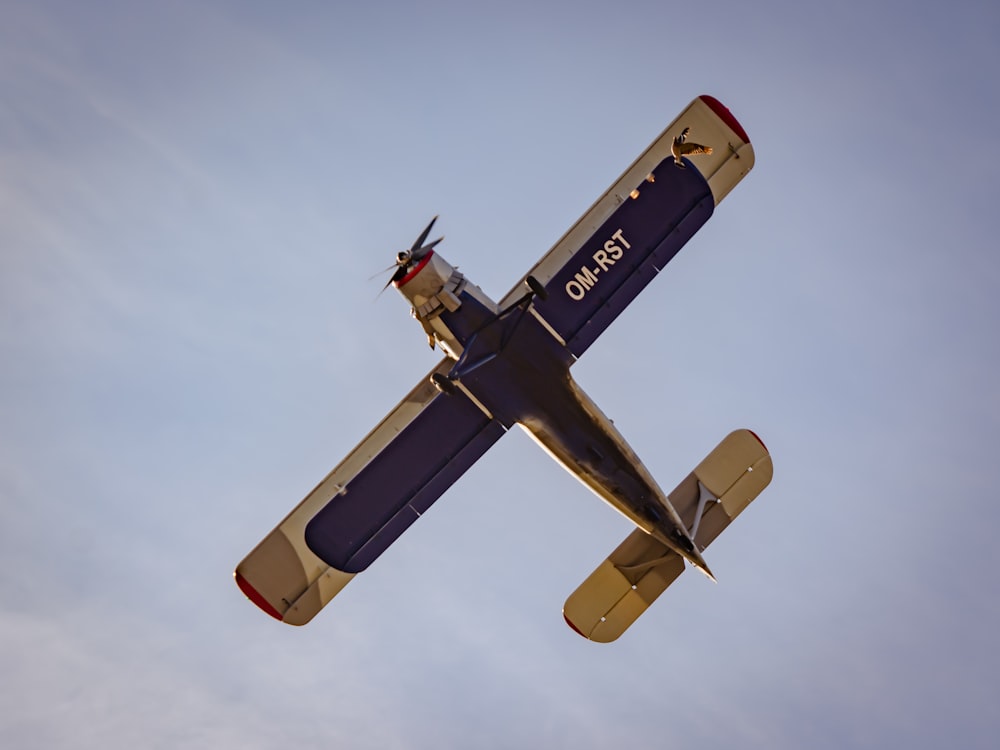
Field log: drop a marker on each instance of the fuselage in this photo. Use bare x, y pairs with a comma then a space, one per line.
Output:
518, 372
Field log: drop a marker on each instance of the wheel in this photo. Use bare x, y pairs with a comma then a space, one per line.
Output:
442, 383
535, 286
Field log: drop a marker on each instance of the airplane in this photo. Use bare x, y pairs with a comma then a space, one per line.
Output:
508, 363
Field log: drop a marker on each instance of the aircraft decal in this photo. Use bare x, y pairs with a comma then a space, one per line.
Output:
682, 147
604, 258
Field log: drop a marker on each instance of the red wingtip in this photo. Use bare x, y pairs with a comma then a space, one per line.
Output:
760, 441
252, 594
574, 627
727, 117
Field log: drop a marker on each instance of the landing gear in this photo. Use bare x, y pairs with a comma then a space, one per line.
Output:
537, 289
444, 384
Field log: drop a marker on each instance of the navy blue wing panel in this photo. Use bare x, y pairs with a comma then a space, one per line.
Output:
610, 269
381, 501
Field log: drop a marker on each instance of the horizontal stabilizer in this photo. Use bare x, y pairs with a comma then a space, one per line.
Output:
622, 587
641, 568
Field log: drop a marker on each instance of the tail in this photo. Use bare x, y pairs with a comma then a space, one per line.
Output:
642, 567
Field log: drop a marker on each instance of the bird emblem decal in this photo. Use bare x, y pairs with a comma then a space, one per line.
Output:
683, 147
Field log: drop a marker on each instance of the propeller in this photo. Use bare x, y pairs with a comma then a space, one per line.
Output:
406, 258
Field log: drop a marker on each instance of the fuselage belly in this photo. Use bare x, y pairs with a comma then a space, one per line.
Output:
520, 373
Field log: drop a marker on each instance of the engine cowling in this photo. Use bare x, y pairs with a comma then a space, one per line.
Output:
435, 287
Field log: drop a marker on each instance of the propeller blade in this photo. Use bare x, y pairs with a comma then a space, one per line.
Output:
420, 240
421, 252
384, 270
400, 272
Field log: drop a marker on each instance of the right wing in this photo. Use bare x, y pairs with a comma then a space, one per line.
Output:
394, 475
627, 237
641, 568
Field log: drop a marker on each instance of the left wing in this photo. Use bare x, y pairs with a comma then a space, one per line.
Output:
391, 478
602, 263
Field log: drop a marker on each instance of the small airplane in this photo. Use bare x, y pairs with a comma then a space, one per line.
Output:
508, 363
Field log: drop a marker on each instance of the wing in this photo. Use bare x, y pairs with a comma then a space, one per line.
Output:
637, 226
641, 568
391, 478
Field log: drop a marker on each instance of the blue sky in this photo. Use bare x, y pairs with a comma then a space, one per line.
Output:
192, 200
